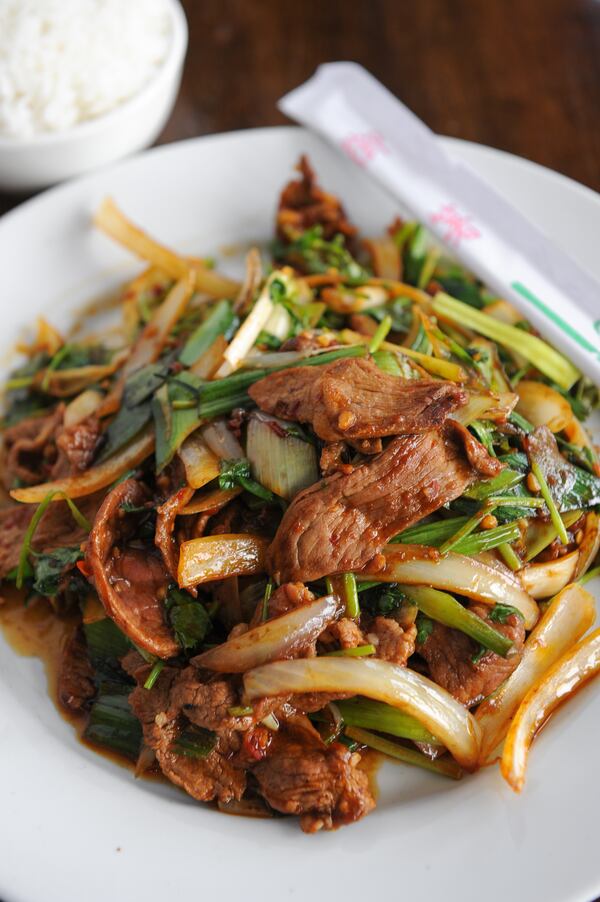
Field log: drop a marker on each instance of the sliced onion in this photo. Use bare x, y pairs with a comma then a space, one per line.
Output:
113, 222
252, 279
62, 383
590, 544
82, 407
546, 579
365, 297
199, 462
459, 573
210, 501
207, 364
560, 683
489, 406
152, 338
221, 440
401, 687
568, 617
95, 478
543, 406
282, 463
385, 257
279, 638
246, 335
216, 557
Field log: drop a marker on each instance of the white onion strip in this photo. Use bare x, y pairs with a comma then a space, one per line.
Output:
568, 617
401, 687
544, 580
459, 573
574, 669
274, 640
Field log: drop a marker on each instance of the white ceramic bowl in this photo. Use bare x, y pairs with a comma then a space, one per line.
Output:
33, 163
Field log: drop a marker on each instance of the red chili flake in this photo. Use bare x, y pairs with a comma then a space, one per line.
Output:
256, 742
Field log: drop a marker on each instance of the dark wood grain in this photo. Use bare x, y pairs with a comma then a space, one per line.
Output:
522, 75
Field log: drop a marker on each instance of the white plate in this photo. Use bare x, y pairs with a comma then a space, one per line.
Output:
74, 826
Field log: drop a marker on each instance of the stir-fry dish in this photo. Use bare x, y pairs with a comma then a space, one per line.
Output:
347, 504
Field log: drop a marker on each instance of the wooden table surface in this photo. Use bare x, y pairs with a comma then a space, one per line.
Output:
522, 75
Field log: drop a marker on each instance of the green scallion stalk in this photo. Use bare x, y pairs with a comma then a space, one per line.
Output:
505, 480
79, 518
467, 528
387, 362
380, 334
265, 601
374, 715
112, 723
428, 268
434, 534
196, 742
217, 323
487, 539
446, 609
18, 382
359, 651
445, 766
550, 504
537, 352
154, 674
351, 595
546, 533
53, 365
510, 557
591, 574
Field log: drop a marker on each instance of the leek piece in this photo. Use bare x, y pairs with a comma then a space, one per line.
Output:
388, 363
218, 322
547, 496
537, 352
446, 609
283, 463
445, 766
106, 645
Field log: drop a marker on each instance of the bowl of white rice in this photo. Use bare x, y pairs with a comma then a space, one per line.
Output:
83, 83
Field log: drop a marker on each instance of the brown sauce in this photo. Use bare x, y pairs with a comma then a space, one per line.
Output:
35, 631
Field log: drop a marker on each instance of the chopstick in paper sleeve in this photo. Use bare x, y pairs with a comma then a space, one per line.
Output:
352, 110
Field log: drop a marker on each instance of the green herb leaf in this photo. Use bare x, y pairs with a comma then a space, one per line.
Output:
424, 628
188, 618
501, 612
49, 568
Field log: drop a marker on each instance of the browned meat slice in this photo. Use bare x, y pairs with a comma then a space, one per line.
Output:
304, 204
322, 784
75, 683
332, 459
29, 448
207, 704
352, 399
205, 779
392, 642
541, 447
340, 523
450, 656
77, 446
130, 581
56, 529
164, 537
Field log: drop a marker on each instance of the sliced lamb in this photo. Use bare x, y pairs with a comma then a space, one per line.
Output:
204, 779
453, 661
352, 399
29, 448
303, 204
340, 523
321, 784
164, 537
75, 680
131, 581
